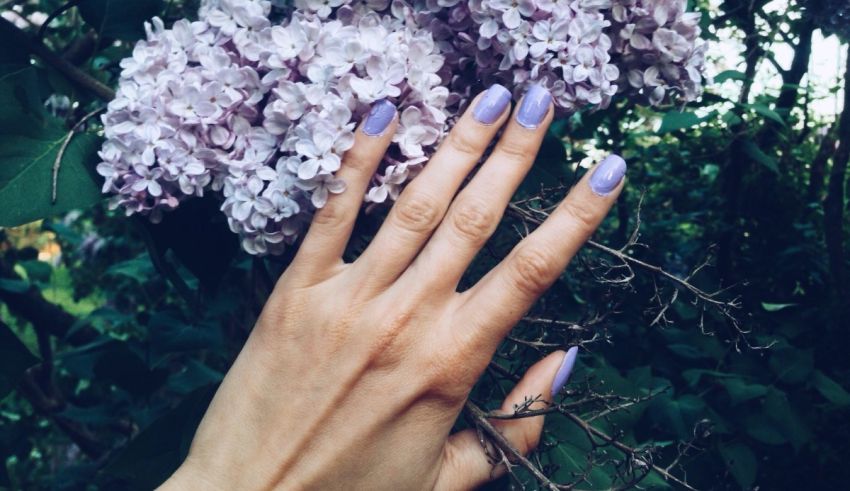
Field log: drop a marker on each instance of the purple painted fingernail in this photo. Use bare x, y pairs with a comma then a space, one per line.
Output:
492, 104
564, 372
607, 175
534, 106
380, 116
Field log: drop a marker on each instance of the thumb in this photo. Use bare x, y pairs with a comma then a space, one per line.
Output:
466, 464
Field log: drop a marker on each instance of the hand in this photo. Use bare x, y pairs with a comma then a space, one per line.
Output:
355, 373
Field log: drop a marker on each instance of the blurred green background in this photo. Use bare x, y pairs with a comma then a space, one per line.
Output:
719, 358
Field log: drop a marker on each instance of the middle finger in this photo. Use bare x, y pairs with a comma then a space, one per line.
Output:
474, 215
421, 206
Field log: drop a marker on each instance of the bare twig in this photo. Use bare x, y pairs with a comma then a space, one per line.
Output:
625, 449
480, 419
725, 306
58, 162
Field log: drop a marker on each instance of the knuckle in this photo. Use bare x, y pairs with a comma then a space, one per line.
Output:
417, 212
583, 215
450, 382
514, 150
464, 143
447, 374
358, 159
331, 215
473, 221
531, 270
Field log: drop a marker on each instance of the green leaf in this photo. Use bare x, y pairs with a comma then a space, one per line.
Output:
676, 120
119, 365
29, 144
729, 75
763, 430
14, 286
730, 118
779, 411
766, 112
792, 365
121, 19
26, 166
37, 271
741, 462
160, 448
693, 375
195, 375
741, 391
139, 268
15, 358
21, 108
754, 152
570, 457
677, 415
775, 307
830, 389
688, 351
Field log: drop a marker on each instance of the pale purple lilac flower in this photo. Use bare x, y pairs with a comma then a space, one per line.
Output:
258, 102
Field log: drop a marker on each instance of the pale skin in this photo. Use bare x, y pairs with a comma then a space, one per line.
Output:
355, 372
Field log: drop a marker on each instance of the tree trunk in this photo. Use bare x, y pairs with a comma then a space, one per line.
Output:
817, 171
833, 206
733, 172
737, 166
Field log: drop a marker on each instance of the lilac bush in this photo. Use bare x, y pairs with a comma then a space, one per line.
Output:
258, 103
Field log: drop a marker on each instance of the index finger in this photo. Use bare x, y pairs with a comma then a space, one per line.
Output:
509, 290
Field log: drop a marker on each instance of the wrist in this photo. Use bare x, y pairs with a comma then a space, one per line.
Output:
187, 477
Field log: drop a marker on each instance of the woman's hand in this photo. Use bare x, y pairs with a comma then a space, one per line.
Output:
355, 373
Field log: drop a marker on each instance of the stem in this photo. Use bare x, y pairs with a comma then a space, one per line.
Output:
74, 74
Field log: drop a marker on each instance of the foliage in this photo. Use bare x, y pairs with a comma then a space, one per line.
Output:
114, 332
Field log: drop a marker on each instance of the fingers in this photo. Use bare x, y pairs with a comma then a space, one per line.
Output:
421, 206
331, 227
475, 213
466, 464
500, 299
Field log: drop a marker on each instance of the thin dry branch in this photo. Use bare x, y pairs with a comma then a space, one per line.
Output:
61, 154
724, 306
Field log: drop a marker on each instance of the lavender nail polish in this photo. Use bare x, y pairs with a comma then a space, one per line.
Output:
492, 104
380, 116
564, 372
534, 106
607, 175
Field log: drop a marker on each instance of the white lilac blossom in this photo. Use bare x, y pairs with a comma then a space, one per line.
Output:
257, 102
262, 113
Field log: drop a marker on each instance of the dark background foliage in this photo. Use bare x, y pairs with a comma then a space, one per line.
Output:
712, 308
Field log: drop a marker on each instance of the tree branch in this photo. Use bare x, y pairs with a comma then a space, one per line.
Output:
45, 316
49, 407
74, 74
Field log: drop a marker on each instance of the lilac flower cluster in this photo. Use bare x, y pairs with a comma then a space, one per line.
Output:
655, 45
261, 111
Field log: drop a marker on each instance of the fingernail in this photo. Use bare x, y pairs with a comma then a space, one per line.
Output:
607, 175
380, 116
492, 104
564, 372
534, 106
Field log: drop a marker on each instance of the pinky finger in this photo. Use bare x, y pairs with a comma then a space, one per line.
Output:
466, 464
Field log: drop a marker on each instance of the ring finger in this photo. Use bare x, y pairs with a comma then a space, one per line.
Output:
421, 206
